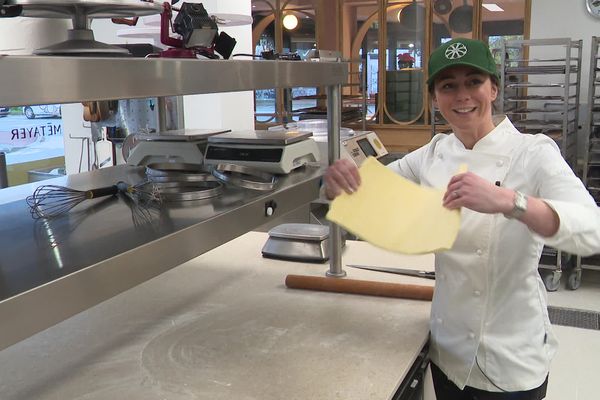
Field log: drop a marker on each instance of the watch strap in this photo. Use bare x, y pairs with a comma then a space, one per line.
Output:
519, 206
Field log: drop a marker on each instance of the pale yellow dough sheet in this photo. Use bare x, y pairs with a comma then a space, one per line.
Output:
394, 213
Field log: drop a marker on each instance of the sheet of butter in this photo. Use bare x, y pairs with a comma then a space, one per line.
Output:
394, 213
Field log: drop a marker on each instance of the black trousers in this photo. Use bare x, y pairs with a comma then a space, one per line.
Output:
447, 390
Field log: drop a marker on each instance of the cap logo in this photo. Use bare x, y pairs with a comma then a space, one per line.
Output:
455, 50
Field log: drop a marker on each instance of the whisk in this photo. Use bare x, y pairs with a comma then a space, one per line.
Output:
49, 201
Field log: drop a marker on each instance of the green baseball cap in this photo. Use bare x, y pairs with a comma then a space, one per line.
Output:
473, 53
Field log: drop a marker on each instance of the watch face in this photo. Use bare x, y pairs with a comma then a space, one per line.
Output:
593, 7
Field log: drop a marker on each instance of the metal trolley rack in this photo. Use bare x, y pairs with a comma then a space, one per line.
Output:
591, 164
541, 83
103, 253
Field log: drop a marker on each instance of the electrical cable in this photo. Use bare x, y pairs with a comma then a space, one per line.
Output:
246, 55
271, 55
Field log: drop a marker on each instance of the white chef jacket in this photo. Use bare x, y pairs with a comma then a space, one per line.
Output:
489, 308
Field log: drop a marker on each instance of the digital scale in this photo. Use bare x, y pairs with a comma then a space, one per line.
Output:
274, 152
298, 242
355, 146
187, 147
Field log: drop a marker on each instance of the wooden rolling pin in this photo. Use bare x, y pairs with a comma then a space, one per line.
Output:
355, 286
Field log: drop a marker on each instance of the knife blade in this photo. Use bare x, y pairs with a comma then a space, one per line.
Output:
398, 271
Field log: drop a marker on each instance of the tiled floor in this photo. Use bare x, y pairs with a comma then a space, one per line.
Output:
575, 370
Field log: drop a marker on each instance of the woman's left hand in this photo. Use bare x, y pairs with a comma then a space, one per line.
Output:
473, 192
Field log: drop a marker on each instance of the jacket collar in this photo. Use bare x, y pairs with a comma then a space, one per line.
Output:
500, 141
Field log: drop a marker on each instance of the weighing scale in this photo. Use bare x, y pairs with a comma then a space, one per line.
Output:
298, 242
187, 147
355, 146
275, 152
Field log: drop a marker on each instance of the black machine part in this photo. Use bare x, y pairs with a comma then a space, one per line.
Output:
9, 11
224, 45
194, 24
199, 30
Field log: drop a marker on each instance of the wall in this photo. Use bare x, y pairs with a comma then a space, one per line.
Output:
201, 111
559, 19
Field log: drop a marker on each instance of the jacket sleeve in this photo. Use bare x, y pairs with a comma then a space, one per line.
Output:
557, 185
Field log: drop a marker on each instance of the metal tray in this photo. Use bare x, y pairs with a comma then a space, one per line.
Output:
278, 138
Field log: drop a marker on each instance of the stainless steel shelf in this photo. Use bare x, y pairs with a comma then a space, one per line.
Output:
59, 267
548, 98
537, 85
47, 80
518, 43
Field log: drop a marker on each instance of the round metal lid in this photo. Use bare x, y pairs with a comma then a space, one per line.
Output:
89, 8
186, 191
178, 172
243, 176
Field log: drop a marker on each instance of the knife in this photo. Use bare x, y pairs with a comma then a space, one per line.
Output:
399, 271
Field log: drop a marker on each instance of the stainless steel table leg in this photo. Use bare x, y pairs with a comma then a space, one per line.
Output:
334, 120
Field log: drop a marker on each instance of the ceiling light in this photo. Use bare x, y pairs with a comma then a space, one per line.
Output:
493, 7
290, 22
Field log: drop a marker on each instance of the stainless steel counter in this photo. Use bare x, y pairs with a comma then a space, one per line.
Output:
51, 270
224, 326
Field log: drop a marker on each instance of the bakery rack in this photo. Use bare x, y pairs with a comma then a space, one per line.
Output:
591, 163
541, 84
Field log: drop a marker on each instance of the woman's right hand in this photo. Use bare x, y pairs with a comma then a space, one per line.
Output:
341, 176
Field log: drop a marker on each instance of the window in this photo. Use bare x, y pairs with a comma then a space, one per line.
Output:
32, 139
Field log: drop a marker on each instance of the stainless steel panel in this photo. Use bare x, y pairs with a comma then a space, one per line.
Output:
27, 80
51, 270
90, 8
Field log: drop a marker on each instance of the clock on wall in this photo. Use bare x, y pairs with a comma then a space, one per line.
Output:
593, 7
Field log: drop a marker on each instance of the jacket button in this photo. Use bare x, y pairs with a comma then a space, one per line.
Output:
500, 163
471, 335
479, 252
477, 293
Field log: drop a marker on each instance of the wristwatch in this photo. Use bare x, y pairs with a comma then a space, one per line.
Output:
519, 206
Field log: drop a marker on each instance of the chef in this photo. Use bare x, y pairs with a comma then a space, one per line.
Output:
491, 337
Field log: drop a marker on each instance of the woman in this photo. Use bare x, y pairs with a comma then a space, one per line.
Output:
490, 333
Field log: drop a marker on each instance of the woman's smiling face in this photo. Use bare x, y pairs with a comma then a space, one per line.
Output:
464, 96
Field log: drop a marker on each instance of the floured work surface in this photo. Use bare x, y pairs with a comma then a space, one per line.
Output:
396, 214
223, 326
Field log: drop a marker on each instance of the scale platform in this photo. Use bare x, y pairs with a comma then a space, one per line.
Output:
186, 147
298, 242
274, 152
